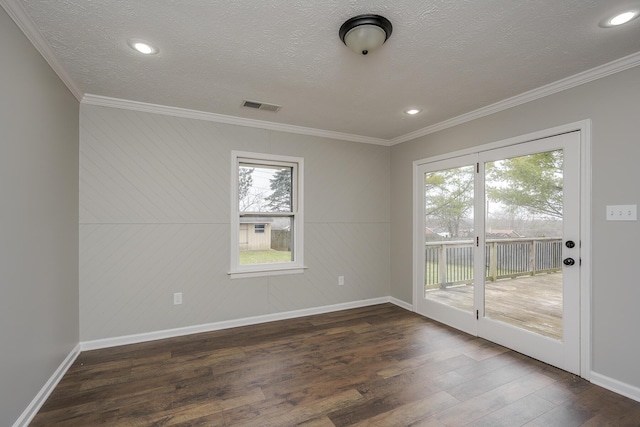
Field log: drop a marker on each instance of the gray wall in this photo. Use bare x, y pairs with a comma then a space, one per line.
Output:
38, 221
613, 104
155, 212
154, 218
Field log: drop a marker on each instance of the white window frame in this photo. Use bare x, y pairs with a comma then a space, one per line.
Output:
297, 213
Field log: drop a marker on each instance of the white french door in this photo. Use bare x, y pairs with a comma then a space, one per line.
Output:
446, 214
497, 246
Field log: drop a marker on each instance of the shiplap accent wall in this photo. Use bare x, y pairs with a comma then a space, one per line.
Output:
155, 215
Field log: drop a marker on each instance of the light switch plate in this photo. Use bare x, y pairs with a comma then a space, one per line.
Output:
622, 212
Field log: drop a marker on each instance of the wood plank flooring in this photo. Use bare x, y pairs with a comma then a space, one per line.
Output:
373, 366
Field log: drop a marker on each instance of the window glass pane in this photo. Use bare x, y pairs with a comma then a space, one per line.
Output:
265, 240
449, 236
524, 224
263, 188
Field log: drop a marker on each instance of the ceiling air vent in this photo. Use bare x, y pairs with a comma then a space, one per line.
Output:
261, 106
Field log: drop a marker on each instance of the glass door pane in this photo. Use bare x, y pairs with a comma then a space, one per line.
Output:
523, 242
449, 236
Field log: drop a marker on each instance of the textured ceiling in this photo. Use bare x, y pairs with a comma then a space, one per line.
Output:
447, 57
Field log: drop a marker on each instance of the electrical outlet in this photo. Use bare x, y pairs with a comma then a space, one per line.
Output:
177, 298
622, 212
340, 280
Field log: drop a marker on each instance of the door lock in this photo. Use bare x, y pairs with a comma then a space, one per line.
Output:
570, 244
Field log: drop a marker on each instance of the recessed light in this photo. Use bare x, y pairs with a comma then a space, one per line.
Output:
412, 112
620, 18
143, 47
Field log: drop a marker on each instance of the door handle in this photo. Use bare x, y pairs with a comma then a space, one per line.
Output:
568, 261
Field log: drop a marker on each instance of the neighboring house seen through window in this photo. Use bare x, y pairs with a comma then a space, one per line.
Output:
267, 220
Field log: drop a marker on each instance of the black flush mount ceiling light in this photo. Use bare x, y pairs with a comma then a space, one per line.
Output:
365, 33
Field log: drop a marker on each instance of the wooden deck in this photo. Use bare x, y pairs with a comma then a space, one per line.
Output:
533, 303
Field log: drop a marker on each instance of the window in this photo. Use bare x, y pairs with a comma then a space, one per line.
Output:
266, 214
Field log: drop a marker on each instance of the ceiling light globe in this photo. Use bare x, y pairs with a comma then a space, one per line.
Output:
365, 38
412, 112
364, 33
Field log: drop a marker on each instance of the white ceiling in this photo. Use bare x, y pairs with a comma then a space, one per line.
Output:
447, 57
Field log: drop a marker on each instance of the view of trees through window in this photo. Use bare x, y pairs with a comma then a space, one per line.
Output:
523, 219
523, 224
523, 198
264, 198
264, 189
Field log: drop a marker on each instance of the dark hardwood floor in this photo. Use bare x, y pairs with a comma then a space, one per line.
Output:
373, 366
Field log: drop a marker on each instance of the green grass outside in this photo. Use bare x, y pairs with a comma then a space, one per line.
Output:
264, 257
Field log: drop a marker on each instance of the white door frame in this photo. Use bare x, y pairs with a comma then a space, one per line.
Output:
584, 127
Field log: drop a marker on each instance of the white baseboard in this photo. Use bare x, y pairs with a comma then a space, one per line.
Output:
209, 327
632, 392
30, 412
402, 304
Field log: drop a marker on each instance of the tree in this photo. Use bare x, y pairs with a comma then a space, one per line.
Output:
532, 183
280, 184
449, 198
248, 200
245, 181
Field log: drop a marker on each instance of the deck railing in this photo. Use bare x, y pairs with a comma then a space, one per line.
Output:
451, 263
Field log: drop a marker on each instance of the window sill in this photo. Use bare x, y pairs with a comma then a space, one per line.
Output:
265, 273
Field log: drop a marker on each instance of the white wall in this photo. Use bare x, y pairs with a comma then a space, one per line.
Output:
155, 214
613, 104
38, 221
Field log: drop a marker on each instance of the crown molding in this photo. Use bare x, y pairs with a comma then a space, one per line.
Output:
104, 101
16, 11
605, 70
